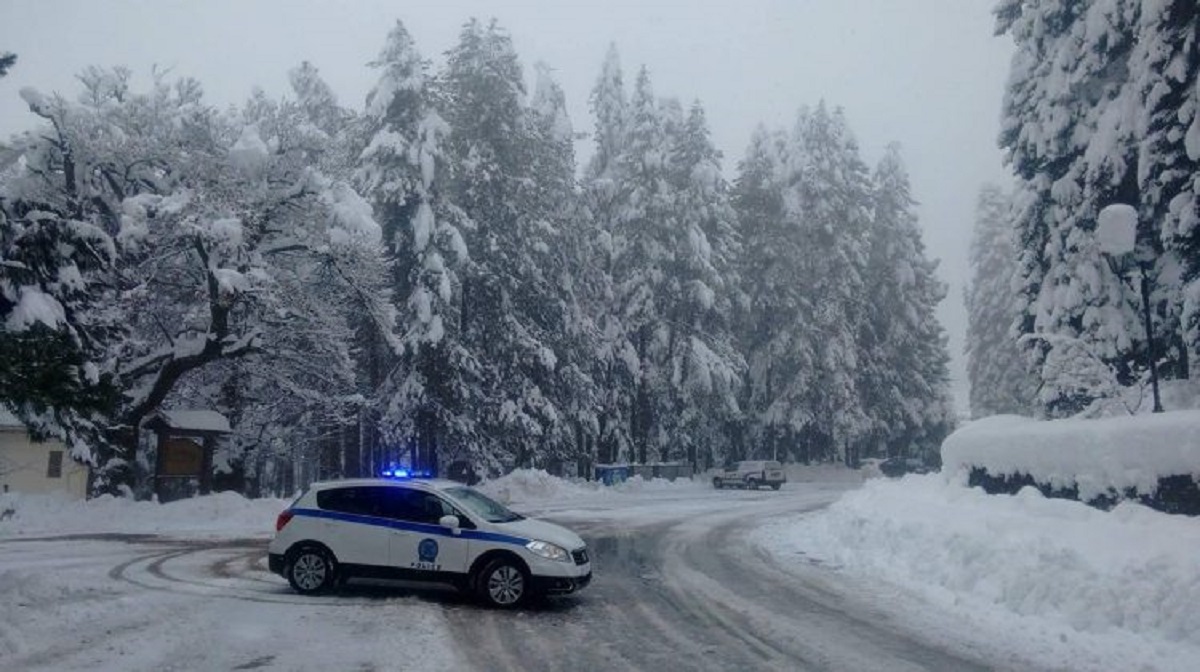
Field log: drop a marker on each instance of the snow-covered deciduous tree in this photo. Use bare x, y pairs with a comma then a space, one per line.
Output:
217, 244
998, 374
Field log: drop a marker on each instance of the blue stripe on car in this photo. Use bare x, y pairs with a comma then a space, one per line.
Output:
423, 528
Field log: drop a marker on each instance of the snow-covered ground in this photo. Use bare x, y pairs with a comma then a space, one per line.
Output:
112, 584
1058, 583
84, 589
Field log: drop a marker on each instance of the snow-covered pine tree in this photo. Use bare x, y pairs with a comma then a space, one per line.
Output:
828, 196
644, 251
1070, 130
996, 370
608, 105
514, 310
704, 363
7, 60
615, 363
574, 265
317, 102
903, 374
1165, 73
774, 333
428, 397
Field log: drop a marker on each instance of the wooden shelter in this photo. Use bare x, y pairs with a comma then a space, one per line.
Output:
184, 451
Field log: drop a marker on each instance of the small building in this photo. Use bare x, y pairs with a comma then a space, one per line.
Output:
37, 467
183, 458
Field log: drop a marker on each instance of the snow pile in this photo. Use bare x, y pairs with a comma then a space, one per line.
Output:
637, 484
532, 485
1024, 556
1095, 455
221, 514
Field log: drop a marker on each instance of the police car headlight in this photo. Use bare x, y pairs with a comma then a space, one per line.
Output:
549, 551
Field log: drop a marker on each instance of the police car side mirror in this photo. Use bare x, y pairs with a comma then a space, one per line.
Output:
450, 522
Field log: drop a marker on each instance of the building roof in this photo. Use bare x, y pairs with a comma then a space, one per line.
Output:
193, 421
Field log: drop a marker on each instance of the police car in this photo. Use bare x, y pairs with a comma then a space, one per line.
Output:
421, 529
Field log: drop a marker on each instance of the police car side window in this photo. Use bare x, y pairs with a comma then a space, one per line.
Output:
402, 504
417, 506
360, 501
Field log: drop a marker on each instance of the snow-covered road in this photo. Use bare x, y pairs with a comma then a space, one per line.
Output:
691, 593
677, 584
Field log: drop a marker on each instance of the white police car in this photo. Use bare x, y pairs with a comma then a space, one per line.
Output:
423, 530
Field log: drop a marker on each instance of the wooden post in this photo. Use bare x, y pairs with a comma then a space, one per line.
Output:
206, 466
161, 436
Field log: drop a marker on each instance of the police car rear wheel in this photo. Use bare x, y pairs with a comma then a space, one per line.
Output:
310, 571
503, 584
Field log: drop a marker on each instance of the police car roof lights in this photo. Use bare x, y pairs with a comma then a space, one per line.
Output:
405, 473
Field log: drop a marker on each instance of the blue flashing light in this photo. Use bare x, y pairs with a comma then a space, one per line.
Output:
405, 473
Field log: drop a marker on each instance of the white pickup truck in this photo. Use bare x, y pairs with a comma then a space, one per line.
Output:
751, 474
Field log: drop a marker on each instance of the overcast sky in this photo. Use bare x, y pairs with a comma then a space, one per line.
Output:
925, 73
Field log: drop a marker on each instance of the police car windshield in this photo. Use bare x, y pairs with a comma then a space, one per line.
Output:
483, 506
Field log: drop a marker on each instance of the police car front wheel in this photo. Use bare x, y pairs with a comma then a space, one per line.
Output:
503, 583
311, 570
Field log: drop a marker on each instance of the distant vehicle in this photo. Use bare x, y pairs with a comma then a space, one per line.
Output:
751, 474
423, 530
895, 467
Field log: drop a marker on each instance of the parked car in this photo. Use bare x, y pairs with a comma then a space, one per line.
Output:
751, 474
428, 530
899, 466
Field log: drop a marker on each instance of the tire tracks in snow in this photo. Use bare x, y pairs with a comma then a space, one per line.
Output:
692, 593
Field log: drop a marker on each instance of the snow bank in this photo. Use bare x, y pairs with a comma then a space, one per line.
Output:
1131, 452
532, 485
222, 514
1078, 569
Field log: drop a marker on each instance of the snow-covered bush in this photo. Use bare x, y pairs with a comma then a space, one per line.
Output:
1154, 458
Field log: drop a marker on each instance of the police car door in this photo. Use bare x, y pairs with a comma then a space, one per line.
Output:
419, 543
358, 535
